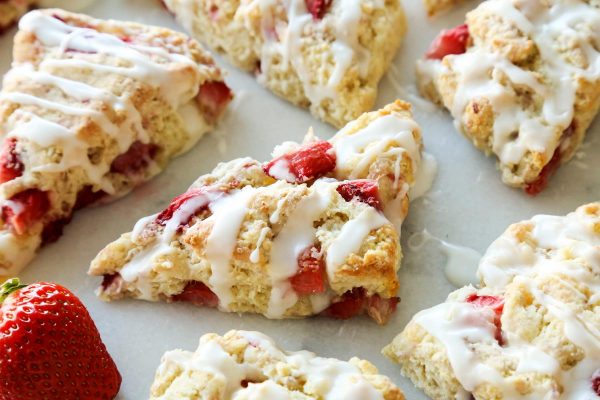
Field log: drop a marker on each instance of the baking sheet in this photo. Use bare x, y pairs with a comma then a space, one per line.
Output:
467, 205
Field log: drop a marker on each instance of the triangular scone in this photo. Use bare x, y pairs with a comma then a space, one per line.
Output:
436, 7
531, 332
327, 56
303, 234
89, 110
12, 10
242, 365
522, 81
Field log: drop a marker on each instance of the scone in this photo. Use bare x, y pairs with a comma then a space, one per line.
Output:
12, 10
243, 365
324, 55
303, 234
89, 110
531, 332
522, 81
435, 7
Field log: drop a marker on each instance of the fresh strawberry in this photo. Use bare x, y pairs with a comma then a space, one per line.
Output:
310, 278
213, 98
318, 8
198, 294
309, 162
364, 190
11, 166
137, 157
179, 201
27, 208
51, 348
596, 382
496, 304
449, 41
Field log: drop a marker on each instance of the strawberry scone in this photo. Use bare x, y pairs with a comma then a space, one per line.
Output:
324, 55
436, 7
243, 365
306, 233
89, 110
531, 332
522, 81
12, 10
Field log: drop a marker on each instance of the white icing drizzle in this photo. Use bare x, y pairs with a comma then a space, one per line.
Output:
228, 213
424, 178
295, 236
461, 261
387, 136
478, 73
255, 255
564, 248
147, 64
351, 238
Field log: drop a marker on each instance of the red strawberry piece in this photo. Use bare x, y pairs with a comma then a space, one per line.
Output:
198, 294
137, 157
449, 41
596, 382
212, 99
109, 279
53, 230
352, 303
87, 196
310, 278
364, 190
11, 166
51, 348
25, 209
381, 309
496, 304
536, 187
317, 8
309, 162
179, 201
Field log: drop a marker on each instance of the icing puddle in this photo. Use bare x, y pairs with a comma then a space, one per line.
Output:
461, 262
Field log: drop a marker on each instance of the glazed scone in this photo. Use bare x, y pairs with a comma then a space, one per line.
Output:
303, 234
12, 10
436, 7
243, 365
531, 332
89, 110
522, 81
327, 56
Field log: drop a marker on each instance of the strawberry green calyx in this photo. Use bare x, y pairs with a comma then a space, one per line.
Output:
10, 286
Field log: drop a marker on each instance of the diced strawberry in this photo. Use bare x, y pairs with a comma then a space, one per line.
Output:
53, 230
198, 294
381, 309
364, 190
310, 278
11, 166
213, 98
317, 8
596, 382
496, 304
309, 162
449, 41
536, 187
351, 304
108, 279
137, 157
27, 208
179, 201
87, 196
